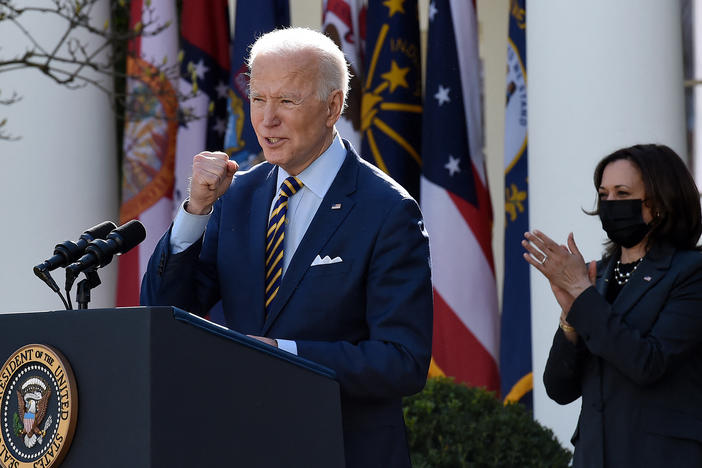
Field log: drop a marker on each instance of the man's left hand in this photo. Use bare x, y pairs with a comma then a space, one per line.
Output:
268, 341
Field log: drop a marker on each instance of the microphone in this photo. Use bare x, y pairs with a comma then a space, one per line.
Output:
68, 252
99, 252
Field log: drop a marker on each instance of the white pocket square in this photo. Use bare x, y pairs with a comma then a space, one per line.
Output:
326, 260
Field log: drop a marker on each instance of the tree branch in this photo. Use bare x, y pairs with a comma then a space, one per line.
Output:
83, 54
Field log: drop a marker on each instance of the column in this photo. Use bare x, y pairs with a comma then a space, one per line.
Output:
60, 178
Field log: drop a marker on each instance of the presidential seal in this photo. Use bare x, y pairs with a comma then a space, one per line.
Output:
38, 408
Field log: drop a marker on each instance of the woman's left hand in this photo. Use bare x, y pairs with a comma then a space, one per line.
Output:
563, 266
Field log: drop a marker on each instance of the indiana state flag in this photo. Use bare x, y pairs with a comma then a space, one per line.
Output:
252, 20
391, 108
515, 349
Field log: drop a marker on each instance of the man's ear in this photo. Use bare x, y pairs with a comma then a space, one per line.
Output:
335, 104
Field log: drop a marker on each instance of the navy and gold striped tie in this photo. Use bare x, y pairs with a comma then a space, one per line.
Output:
275, 238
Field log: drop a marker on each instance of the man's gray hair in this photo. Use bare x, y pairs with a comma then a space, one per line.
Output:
333, 68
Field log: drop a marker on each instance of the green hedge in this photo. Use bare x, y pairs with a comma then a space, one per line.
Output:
452, 425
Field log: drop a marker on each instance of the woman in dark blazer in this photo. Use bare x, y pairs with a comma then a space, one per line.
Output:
630, 335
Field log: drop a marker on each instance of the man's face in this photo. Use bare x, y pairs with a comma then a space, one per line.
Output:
292, 125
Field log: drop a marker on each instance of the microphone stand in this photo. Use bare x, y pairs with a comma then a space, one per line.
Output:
92, 280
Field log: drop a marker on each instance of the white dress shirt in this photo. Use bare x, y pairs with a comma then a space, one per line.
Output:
317, 178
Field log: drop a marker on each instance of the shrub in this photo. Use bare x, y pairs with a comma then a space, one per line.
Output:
452, 425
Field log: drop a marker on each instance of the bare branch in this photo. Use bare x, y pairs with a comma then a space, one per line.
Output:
86, 54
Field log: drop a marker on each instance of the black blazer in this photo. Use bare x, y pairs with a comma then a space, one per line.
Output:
637, 366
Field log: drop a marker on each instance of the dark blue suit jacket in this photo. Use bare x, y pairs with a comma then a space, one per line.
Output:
369, 317
637, 366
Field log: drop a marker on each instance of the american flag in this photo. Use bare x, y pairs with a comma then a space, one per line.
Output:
456, 202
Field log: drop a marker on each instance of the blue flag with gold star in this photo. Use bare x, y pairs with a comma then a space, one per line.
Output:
391, 108
515, 342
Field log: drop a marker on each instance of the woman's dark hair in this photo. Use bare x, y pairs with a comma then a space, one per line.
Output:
671, 195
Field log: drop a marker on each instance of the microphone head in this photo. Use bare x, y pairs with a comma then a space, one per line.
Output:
101, 230
128, 235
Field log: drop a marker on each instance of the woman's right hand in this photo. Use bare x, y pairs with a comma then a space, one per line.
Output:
564, 298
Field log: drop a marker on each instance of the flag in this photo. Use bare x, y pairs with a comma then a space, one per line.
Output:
515, 351
252, 20
204, 77
204, 72
391, 108
456, 201
344, 21
151, 126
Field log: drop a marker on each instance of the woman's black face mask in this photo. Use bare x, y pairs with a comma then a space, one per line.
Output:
623, 221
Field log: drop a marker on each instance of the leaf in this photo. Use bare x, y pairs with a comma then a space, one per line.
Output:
17, 424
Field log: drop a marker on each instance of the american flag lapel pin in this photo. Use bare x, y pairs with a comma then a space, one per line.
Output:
647, 278
336, 206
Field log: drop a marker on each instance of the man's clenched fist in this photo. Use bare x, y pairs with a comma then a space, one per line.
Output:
212, 176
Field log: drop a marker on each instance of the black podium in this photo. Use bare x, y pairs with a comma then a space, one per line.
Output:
158, 387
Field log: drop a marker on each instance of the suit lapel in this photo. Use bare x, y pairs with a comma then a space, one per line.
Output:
325, 222
258, 222
603, 275
647, 274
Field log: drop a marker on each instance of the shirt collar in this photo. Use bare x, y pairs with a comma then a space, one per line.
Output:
319, 175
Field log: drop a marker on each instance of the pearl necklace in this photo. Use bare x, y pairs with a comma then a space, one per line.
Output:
623, 278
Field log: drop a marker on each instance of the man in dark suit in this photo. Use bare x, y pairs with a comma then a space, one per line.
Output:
314, 251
